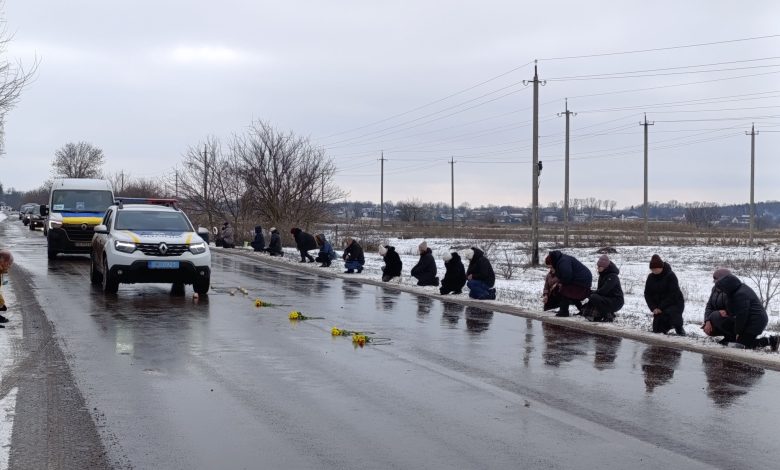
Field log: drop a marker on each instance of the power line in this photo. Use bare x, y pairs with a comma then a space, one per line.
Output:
645, 73
658, 49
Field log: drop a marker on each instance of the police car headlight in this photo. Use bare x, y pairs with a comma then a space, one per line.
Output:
197, 248
124, 247
54, 224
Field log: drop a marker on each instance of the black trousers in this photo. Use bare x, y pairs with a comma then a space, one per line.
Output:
305, 255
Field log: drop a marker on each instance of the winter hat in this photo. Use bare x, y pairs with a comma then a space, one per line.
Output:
603, 261
548, 260
382, 250
293, 230
447, 257
720, 273
656, 262
273, 229
423, 246
468, 254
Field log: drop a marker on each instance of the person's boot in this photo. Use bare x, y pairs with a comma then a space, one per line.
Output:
5, 320
774, 342
492, 293
562, 313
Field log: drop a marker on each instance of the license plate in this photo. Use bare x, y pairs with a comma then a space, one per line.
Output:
83, 244
163, 265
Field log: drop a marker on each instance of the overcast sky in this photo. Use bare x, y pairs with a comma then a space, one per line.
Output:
143, 80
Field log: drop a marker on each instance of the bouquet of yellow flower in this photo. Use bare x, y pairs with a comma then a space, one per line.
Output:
335, 331
261, 303
361, 340
296, 315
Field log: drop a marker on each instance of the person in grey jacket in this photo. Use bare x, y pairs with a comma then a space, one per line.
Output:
275, 247
749, 314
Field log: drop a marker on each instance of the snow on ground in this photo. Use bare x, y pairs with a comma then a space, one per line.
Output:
2, 216
693, 266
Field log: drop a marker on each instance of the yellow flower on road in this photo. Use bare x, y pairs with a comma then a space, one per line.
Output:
335, 331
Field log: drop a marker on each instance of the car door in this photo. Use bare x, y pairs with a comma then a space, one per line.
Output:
99, 240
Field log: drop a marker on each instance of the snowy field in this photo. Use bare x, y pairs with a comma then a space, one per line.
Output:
693, 266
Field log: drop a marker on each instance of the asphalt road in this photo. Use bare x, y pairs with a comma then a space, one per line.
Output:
150, 380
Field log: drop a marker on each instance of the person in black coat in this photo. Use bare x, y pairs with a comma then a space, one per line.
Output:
575, 281
393, 264
664, 297
480, 277
275, 246
353, 256
717, 321
259, 241
749, 314
304, 242
455, 277
425, 269
608, 297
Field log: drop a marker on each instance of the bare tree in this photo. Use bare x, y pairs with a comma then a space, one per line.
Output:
78, 160
701, 214
763, 269
410, 210
142, 187
289, 181
196, 181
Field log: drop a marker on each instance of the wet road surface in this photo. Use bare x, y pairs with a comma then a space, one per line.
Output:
219, 383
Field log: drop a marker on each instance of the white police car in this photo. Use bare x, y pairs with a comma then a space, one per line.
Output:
149, 240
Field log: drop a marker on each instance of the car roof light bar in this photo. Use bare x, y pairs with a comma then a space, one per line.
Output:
121, 201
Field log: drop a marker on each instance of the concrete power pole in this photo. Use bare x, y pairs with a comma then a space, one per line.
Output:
452, 186
535, 172
206, 184
753, 132
566, 113
382, 190
176, 190
645, 124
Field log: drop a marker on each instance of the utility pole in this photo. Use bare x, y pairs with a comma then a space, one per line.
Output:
645, 124
535, 172
452, 186
122, 181
382, 190
206, 183
176, 192
753, 132
566, 113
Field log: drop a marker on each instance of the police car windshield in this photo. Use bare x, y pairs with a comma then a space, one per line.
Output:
152, 221
74, 200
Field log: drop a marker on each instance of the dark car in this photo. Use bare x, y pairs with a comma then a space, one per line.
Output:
35, 218
23, 209
26, 214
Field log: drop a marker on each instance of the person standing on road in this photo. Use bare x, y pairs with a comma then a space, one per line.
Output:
455, 275
275, 247
425, 269
608, 297
228, 240
304, 242
717, 321
6, 261
326, 254
393, 264
664, 297
353, 256
574, 278
749, 314
480, 276
259, 241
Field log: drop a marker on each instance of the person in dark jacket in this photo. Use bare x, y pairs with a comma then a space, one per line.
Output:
608, 297
304, 242
717, 321
480, 276
749, 314
259, 241
575, 280
425, 269
455, 275
664, 297
393, 264
353, 256
550, 296
275, 247
326, 254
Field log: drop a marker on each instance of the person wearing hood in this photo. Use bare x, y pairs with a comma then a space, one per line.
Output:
664, 297
574, 278
455, 275
608, 297
258, 244
425, 269
228, 240
326, 254
748, 312
304, 242
480, 277
393, 264
717, 321
275, 246
353, 256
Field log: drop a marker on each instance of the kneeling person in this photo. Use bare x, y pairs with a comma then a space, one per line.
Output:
480, 275
608, 297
